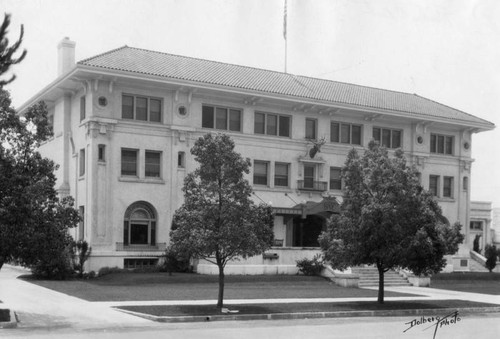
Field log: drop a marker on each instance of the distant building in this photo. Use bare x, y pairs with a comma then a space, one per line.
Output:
124, 122
495, 227
480, 224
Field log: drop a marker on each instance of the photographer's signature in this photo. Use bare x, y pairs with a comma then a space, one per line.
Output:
434, 322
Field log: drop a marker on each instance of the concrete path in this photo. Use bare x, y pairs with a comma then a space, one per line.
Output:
39, 307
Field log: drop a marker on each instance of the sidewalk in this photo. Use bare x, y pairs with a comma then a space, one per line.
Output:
39, 307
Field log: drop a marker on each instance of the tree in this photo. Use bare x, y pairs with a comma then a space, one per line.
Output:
387, 219
475, 244
34, 221
218, 222
490, 252
7, 52
80, 253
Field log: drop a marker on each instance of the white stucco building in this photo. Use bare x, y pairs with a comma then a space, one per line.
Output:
125, 120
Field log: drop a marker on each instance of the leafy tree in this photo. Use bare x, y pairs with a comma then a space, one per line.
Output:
218, 222
33, 220
7, 52
491, 254
387, 219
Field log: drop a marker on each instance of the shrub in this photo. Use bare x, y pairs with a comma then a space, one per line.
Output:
80, 252
475, 244
57, 266
108, 270
174, 262
312, 266
490, 252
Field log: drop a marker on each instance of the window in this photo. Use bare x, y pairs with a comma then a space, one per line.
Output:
81, 225
476, 225
309, 176
441, 144
101, 152
82, 108
345, 133
141, 108
434, 185
272, 124
466, 184
311, 129
140, 262
221, 118
152, 165
181, 160
335, 178
82, 162
260, 170
139, 226
50, 123
448, 187
389, 138
129, 162
281, 174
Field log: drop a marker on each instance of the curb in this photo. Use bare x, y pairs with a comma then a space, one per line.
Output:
313, 315
12, 323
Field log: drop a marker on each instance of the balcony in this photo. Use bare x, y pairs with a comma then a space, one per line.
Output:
311, 185
140, 248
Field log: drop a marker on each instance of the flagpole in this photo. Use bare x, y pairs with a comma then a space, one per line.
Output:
285, 33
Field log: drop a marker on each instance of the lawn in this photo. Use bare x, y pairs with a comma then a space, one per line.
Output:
475, 282
185, 286
245, 309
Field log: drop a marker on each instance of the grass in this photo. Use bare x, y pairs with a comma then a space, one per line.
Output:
185, 286
209, 310
474, 282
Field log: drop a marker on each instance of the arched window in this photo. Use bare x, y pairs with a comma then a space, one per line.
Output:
139, 225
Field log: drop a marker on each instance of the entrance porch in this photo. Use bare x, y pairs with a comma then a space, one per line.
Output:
296, 232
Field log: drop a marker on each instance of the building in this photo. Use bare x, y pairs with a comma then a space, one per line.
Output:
125, 120
480, 224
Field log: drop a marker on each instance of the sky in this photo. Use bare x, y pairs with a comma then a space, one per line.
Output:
444, 50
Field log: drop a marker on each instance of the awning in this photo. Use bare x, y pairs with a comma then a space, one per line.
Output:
326, 207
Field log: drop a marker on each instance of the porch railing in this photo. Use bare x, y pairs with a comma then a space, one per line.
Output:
310, 185
141, 248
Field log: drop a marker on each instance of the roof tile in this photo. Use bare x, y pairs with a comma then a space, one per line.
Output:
171, 66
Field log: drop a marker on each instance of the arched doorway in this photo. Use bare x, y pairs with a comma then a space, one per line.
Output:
139, 225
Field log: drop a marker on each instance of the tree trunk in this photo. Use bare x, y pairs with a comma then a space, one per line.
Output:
2, 260
380, 299
220, 301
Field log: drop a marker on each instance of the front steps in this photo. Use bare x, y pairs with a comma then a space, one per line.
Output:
368, 277
475, 266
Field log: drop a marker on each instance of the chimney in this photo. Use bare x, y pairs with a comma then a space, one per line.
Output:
66, 56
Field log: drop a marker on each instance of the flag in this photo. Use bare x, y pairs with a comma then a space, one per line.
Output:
284, 22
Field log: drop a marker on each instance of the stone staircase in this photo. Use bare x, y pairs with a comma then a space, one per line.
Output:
475, 266
368, 276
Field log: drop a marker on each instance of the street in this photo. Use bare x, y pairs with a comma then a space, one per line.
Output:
469, 326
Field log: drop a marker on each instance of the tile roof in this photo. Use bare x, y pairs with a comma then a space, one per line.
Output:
171, 66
